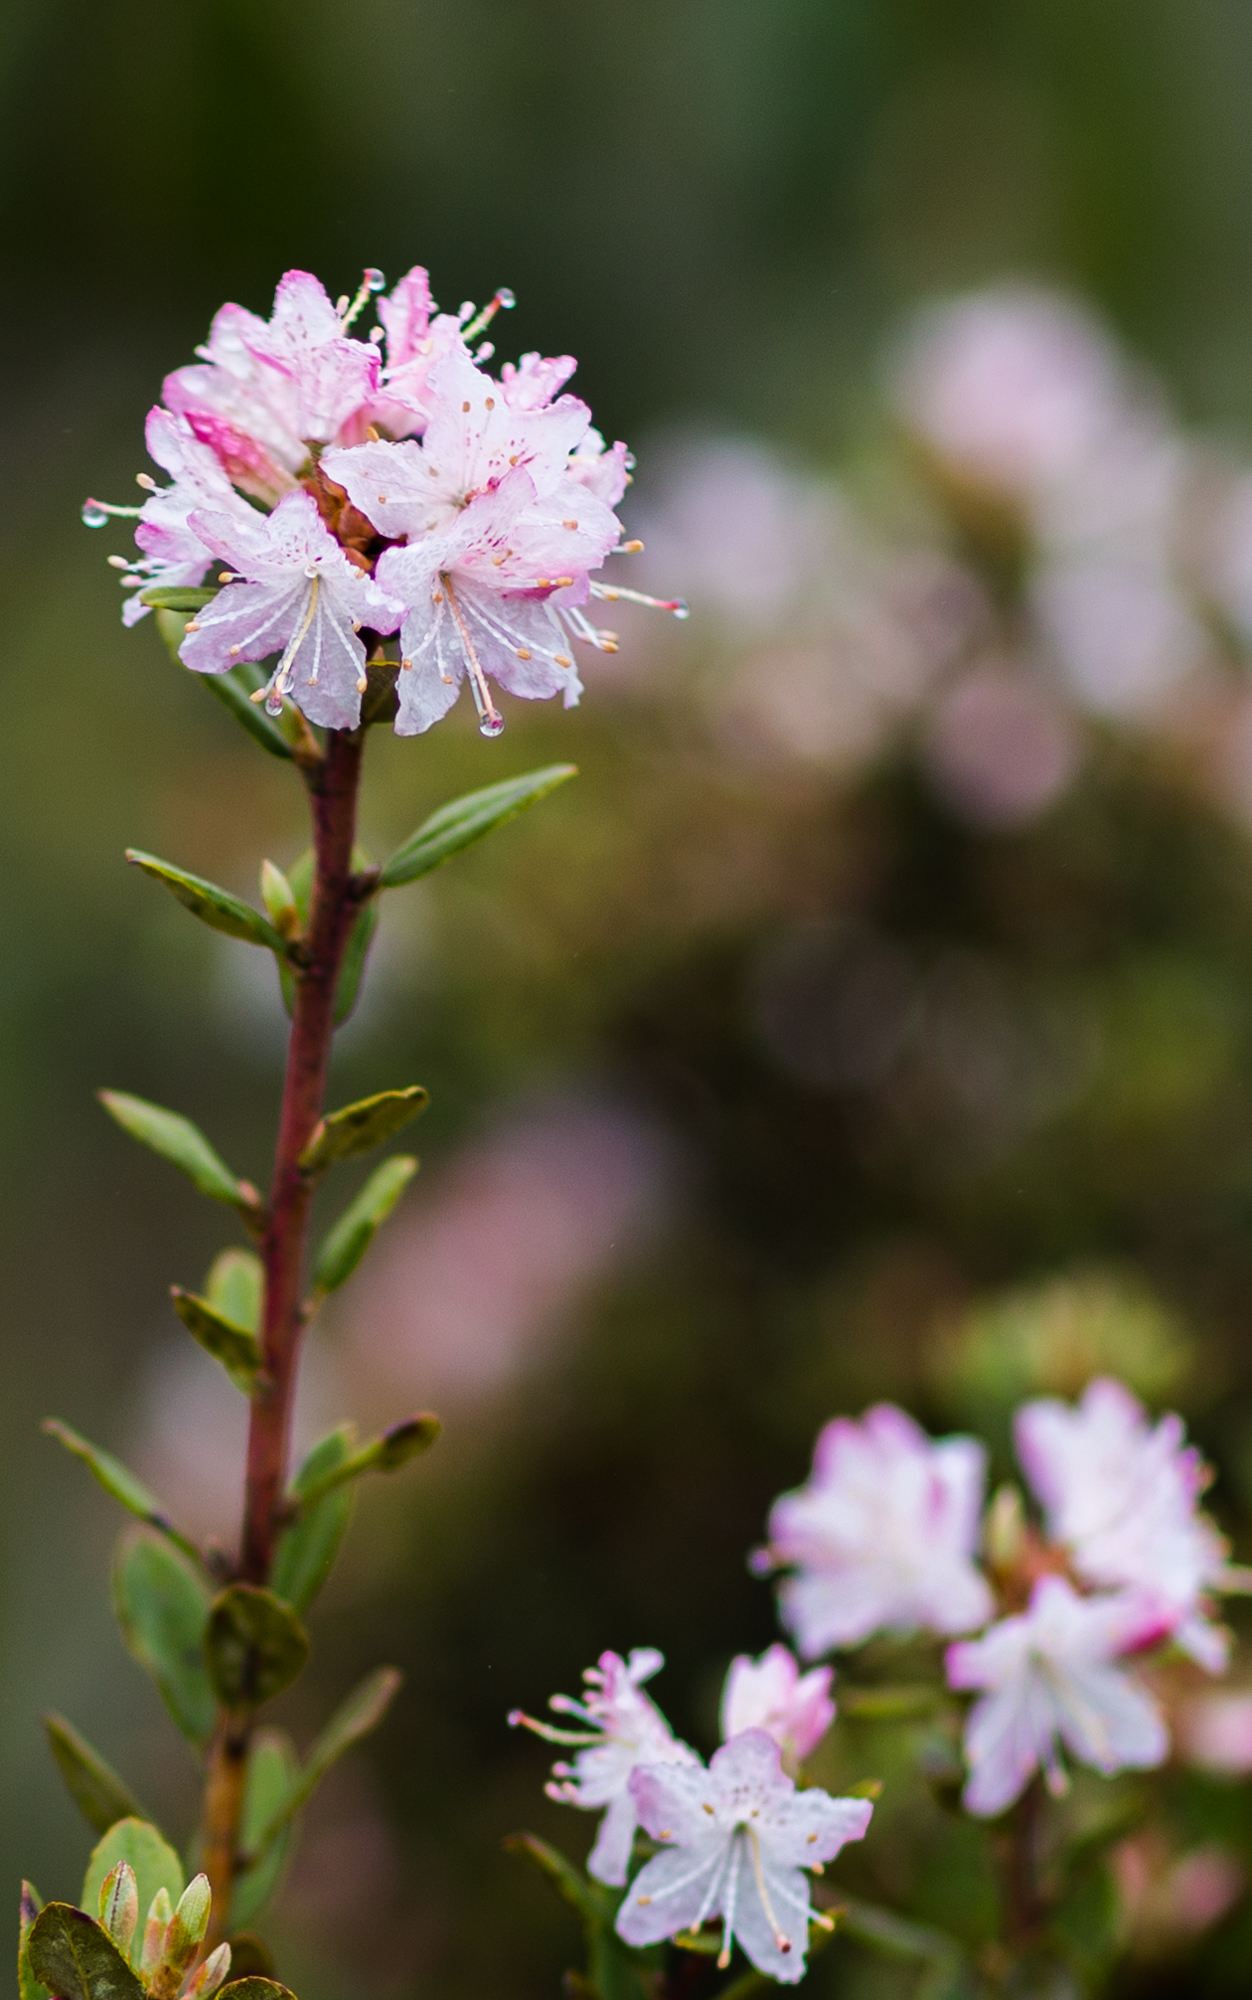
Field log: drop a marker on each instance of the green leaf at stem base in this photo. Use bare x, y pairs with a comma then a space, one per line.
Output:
162, 1606
254, 1644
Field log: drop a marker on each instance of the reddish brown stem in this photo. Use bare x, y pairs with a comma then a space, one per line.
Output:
332, 782
333, 786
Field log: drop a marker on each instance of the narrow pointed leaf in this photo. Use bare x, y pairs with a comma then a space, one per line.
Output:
235, 1288
307, 1548
466, 820
100, 1795
352, 1235
176, 1139
355, 1718
76, 1958
232, 689
215, 907
234, 1346
177, 597
28, 1987
234, 694
118, 1480
383, 1454
273, 1771
351, 971
359, 1126
254, 1644
569, 1882
162, 1606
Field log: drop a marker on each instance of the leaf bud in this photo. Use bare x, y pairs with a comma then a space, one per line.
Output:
279, 900
1004, 1535
206, 1981
191, 1921
119, 1905
160, 1917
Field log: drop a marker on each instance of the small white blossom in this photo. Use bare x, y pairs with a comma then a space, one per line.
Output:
1122, 1495
1049, 1678
626, 1730
772, 1694
738, 1838
883, 1535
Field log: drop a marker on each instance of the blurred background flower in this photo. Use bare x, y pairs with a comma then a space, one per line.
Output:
872, 1019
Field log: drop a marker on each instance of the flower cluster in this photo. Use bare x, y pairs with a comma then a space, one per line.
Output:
359, 488
736, 1837
885, 1537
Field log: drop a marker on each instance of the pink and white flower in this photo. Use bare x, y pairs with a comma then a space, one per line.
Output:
627, 1730
267, 390
883, 1536
174, 554
499, 543
1049, 1679
302, 597
738, 1838
1122, 1494
772, 1694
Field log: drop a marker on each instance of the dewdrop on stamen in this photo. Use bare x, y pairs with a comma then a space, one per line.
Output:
503, 300
96, 512
372, 281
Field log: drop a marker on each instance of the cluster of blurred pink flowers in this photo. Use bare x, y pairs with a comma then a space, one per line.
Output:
356, 488
1051, 551
885, 1538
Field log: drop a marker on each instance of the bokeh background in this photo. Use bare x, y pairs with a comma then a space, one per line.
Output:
874, 1014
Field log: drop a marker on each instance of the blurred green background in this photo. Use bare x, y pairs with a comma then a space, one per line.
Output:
772, 1072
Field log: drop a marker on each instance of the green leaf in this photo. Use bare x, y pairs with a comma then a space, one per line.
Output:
307, 1548
356, 951
162, 1606
254, 1988
100, 1795
75, 1957
215, 907
118, 1480
234, 1346
235, 690
154, 1861
176, 597
355, 1718
387, 1453
466, 820
254, 1644
352, 1235
176, 1139
356, 1128
897, 1937
28, 1987
273, 1770
235, 1288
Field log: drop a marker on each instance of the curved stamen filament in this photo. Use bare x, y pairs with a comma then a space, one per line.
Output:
780, 1938
477, 678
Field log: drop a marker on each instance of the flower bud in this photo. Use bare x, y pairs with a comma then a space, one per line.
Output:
1004, 1534
279, 900
119, 1905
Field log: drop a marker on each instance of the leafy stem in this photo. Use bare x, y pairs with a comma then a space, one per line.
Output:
332, 783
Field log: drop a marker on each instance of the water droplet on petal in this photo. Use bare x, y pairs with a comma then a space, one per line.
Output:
505, 298
374, 279
94, 515
681, 610
630, 461
273, 703
490, 725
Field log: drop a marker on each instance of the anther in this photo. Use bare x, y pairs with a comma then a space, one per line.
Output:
406, 666
118, 562
192, 625
523, 653
490, 403
569, 524
235, 649
629, 549
146, 480
361, 685
643, 1901
374, 435
562, 659
464, 406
